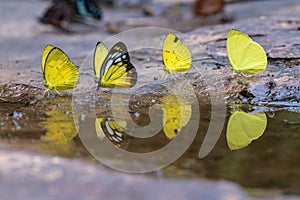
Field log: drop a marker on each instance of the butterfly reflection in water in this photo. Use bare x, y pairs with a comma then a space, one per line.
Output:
243, 128
111, 129
176, 115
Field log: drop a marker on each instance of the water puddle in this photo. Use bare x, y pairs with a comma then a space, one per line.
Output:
265, 156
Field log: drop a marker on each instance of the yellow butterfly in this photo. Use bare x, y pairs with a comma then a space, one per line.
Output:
110, 129
175, 115
59, 72
243, 127
245, 55
176, 56
113, 68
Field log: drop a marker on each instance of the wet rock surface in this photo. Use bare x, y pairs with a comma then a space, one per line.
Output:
278, 35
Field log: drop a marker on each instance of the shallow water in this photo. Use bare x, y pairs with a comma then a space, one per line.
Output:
270, 162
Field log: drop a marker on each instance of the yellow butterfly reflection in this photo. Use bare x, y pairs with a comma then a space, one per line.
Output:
244, 127
176, 115
113, 68
112, 130
59, 72
245, 55
176, 56
60, 128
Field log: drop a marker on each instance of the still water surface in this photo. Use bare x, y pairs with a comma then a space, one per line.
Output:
272, 161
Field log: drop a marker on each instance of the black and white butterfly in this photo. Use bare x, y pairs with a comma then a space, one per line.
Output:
113, 68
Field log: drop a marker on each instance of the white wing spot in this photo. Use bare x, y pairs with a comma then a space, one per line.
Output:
109, 63
117, 54
118, 60
118, 134
110, 131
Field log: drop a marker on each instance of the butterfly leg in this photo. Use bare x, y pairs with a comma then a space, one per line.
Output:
57, 93
49, 93
46, 93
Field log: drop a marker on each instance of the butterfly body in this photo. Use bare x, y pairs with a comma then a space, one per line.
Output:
245, 55
176, 56
59, 72
113, 68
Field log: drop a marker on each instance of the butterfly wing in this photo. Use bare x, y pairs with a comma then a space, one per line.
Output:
176, 56
186, 113
59, 72
47, 49
117, 70
245, 55
100, 54
175, 115
242, 128
110, 129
